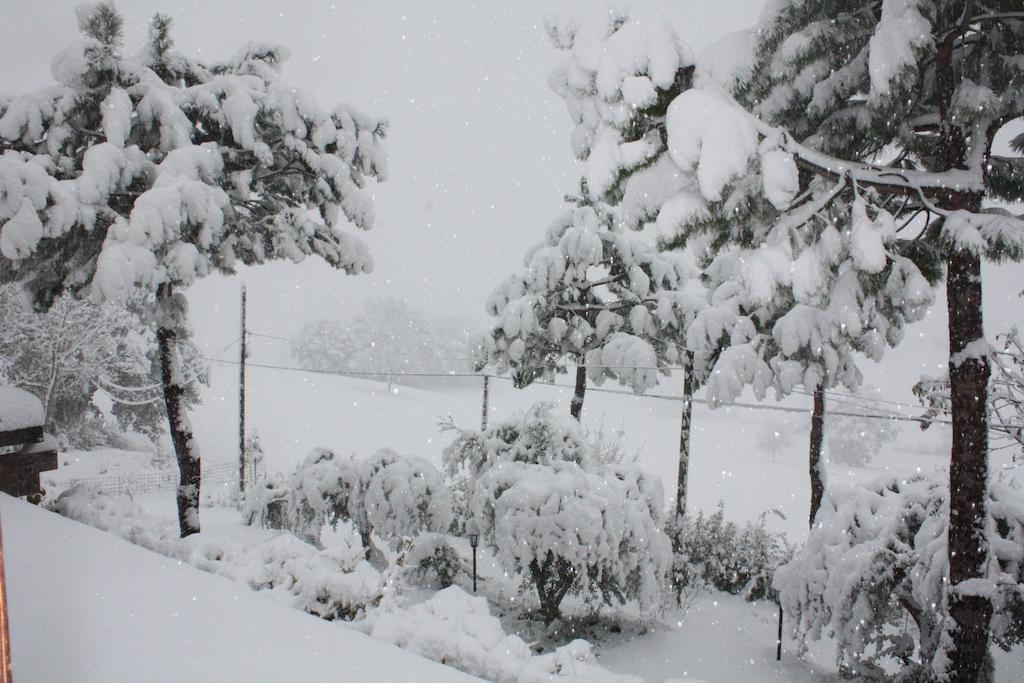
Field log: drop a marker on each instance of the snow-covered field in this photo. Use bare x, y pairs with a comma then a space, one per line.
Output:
732, 461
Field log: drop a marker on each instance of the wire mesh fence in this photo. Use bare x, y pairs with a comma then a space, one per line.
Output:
223, 474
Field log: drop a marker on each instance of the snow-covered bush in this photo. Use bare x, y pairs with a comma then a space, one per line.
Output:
432, 561
401, 496
332, 583
457, 629
715, 553
393, 496
323, 490
554, 515
874, 575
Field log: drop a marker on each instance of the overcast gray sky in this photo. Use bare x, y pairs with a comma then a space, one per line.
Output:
479, 145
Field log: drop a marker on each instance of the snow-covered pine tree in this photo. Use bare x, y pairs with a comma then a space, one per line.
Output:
154, 170
848, 155
873, 576
594, 295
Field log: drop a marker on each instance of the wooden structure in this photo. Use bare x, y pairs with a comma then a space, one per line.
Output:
21, 424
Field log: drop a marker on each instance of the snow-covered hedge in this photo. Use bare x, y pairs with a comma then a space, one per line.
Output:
550, 512
878, 556
457, 629
334, 583
395, 496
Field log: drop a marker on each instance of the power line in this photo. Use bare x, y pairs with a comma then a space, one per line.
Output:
663, 397
267, 336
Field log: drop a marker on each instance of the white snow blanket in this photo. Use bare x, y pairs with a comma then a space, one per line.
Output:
19, 409
87, 606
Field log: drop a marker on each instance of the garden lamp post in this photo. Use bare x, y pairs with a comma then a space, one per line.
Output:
473, 531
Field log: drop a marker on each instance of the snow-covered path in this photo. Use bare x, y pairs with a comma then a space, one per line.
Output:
87, 606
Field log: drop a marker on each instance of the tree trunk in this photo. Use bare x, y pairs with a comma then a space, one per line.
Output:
682, 479
576, 407
817, 466
553, 578
967, 545
185, 448
968, 469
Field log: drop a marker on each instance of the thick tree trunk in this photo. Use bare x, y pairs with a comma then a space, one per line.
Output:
682, 479
185, 448
553, 578
968, 468
816, 464
967, 651
576, 407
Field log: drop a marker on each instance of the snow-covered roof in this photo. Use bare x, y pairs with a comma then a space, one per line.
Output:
19, 409
48, 444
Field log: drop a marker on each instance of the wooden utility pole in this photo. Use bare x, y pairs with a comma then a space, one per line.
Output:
484, 409
242, 353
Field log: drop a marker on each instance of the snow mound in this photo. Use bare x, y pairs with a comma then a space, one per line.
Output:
457, 629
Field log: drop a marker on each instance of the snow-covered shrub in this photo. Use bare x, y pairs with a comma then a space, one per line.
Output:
322, 491
433, 562
333, 583
874, 573
395, 496
551, 513
458, 630
610, 444
401, 496
266, 504
714, 553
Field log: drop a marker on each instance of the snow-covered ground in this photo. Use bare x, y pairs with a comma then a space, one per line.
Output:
88, 606
721, 637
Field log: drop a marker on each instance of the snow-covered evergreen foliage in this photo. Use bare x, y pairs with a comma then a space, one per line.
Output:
714, 553
153, 169
331, 583
821, 179
150, 171
595, 295
878, 556
793, 293
553, 514
433, 562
